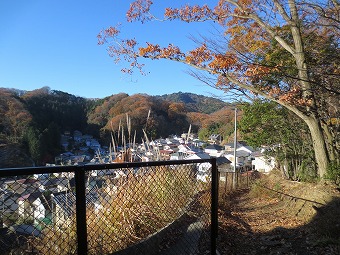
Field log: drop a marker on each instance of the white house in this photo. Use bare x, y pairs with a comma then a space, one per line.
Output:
177, 156
33, 205
203, 169
241, 157
262, 163
214, 150
200, 155
247, 149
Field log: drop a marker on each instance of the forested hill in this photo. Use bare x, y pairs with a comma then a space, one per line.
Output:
35, 119
195, 103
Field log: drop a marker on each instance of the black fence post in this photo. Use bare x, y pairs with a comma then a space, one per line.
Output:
81, 211
214, 205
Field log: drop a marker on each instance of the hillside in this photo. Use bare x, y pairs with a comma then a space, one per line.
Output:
196, 103
277, 216
35, 119
13, 155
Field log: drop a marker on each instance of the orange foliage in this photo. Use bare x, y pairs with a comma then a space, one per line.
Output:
155, 51
198, 55
189, 13
294, 97
197, 118
138, 9
222, 63
151, 51
255, 72
109, 32
249, 27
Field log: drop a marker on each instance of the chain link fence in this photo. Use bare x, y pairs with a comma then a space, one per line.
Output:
132, 208
229, 181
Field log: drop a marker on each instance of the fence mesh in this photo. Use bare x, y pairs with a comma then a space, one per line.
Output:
163, 209
36, 208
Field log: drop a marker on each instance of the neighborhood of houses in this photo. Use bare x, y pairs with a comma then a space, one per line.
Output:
49, 199
84, 149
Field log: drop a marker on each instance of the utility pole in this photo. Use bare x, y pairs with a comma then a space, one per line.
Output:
235, 145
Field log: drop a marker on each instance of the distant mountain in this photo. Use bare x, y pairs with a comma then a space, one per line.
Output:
195, 103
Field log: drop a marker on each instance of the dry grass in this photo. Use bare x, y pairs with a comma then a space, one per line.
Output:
139, 206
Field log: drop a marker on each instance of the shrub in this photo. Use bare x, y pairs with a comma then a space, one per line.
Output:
333, 172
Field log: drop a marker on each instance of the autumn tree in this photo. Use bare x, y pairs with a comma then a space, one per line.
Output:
242, 58
14, 117
220, 122
130, 115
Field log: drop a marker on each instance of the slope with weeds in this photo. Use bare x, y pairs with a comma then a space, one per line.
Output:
277, 216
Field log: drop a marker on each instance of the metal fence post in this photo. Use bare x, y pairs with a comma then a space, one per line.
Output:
81, 211
214, 205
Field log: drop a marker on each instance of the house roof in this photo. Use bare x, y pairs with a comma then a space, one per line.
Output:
222, 161
214, 147
238, 153
30, 197
257, 154
200, 155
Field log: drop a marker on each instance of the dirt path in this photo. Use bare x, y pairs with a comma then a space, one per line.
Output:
278, 225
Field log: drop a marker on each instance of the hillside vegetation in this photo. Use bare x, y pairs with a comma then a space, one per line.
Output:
34, 120
195, 103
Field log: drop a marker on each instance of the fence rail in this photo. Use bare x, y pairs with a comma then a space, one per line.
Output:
161, 207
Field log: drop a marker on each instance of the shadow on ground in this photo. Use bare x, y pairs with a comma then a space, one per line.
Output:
245, 229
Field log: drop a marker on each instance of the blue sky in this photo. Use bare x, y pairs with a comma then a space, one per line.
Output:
53, 43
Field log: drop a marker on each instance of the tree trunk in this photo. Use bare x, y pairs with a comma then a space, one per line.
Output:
330, 142
314, 125
320, 149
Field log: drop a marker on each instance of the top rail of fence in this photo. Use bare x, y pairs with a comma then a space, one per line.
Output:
6, 172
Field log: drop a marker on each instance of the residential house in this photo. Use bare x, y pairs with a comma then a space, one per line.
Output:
177, 156
185, 149
230, 146
166, 154
93, 144
201, 155
77, 136
243, 154
57, 184
224, 166
22, 186
213, 150
203, 169
242, 157
34, 206
64, 141
262, 162
245, 148
198, 143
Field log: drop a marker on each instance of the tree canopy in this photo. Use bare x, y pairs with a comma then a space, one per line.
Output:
285, 51
270, 126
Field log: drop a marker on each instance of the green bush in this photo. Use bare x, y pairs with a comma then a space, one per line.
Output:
333, 172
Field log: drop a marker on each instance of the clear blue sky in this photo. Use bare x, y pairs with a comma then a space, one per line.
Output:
53, 43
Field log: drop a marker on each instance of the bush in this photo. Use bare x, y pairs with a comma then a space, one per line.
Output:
333, 172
